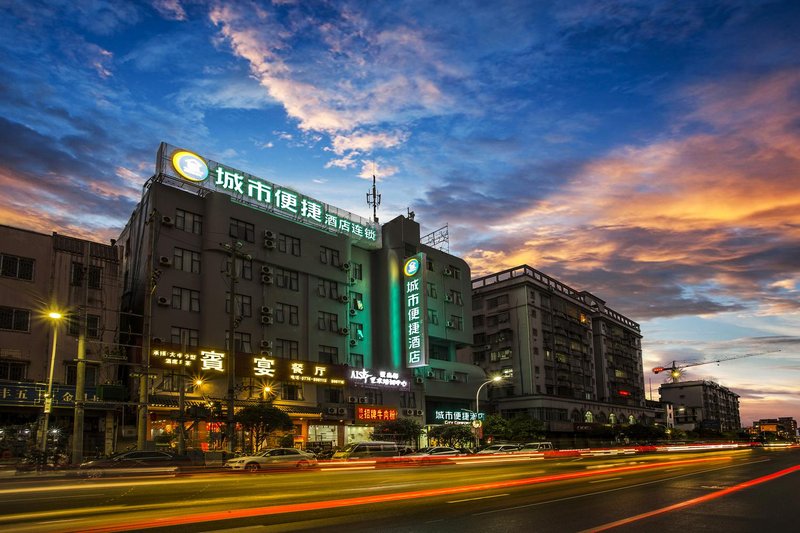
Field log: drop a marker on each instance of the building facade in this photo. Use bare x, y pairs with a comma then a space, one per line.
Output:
40, 274
702, 404
320, 312
568, 360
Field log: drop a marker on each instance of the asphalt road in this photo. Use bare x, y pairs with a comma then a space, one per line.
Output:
731, 491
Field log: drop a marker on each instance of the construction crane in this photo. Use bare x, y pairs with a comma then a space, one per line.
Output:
676, 369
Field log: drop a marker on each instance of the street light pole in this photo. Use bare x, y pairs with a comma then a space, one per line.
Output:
477, 410
48, 399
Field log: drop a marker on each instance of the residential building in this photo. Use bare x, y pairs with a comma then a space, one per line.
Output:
702, 404
570, 361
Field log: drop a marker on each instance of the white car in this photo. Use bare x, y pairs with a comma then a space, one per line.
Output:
286, 458
499, 448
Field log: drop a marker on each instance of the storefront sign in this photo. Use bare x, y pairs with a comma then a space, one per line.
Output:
416, 311
381, 378
207, 360
456, 417
375, 414
298, 371
261, 194
33, 395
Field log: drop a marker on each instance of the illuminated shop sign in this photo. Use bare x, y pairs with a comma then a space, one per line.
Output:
298, 371
375, 414
207, 360
381, 378
456, 417
416, 311
267, 196
33, 394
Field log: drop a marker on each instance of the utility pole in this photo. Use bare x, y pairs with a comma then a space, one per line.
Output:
182, 400
80, 381
144, 377
234, 249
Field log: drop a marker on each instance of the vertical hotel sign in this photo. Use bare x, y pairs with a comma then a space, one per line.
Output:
416, 311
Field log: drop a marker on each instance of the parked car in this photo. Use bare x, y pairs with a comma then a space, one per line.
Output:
537, 447
499, 448
134, 462
436, 451
287, 458
368, 450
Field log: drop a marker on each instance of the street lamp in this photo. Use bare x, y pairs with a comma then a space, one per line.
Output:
55, 316
495, 379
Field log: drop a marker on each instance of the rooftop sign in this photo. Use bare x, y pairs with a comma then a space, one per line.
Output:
187, 167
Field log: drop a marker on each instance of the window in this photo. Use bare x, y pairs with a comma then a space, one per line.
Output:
185, 299
14, 319
477, 321
244, 304
188, 221
334, 395
242, 230
328, 288
94, 275
329, 256
90, 374
433, 317
491, 303
242, 340
288, 244
358, 271
357, 300
408, 400
12, 266
329, 321
456, 322
357, 331
329, 354
286, 313
186, 260
287, 349
429, 265
454, 272
356, 360
244, 268
92, 326
181, 336
431, 289
460, 377
287, 279
13, 370
291, 392
500, 355
455, 297
172, 383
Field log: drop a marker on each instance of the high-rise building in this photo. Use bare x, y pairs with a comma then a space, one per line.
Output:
569, 360
348, 322
702, 404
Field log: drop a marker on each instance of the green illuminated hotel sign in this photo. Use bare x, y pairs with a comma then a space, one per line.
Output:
261, 194
416, 311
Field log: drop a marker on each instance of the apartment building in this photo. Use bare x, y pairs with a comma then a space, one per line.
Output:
315, 298
568, 359
702, 404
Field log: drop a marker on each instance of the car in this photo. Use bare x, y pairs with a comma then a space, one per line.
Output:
436, 451
273, 458
368, 450
134, 462
537, 447
499, 448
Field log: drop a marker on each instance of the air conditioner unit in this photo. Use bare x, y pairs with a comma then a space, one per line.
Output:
353, 342
266, 320
266, 279
167, 221
269, 244
344, 331
352, 399
269, 234
266, 353
266, 310
163, 300
448, 271
408, 412
346, 266
430, 374
352, 312
419, 412
266, 270
352, 281
331, 410
419, 380
448, 298
363, 399
157, 340
452, 378
266, 345
341, 410
449, 324
344, 298
164, 261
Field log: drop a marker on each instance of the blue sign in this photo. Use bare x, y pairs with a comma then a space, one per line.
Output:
32, 394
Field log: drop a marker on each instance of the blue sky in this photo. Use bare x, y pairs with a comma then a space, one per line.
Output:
646, 151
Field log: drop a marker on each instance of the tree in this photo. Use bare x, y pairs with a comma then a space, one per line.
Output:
523, 428
261, 420
405, 430
453, 435
495, 426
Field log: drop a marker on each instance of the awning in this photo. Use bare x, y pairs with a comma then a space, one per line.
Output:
168, 401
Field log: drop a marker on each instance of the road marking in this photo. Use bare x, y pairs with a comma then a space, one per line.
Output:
604, 480
478, 498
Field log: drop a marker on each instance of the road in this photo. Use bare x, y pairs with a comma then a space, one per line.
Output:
731, 491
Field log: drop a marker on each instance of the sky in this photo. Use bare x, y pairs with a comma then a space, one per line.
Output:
646, 151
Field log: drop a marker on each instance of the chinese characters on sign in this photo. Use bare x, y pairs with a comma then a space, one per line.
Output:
456, 417
292, 370
416, 311
209, 360
375, 414
34, 394
386, 379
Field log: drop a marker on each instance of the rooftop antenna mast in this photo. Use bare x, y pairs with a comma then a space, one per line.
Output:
374, 199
